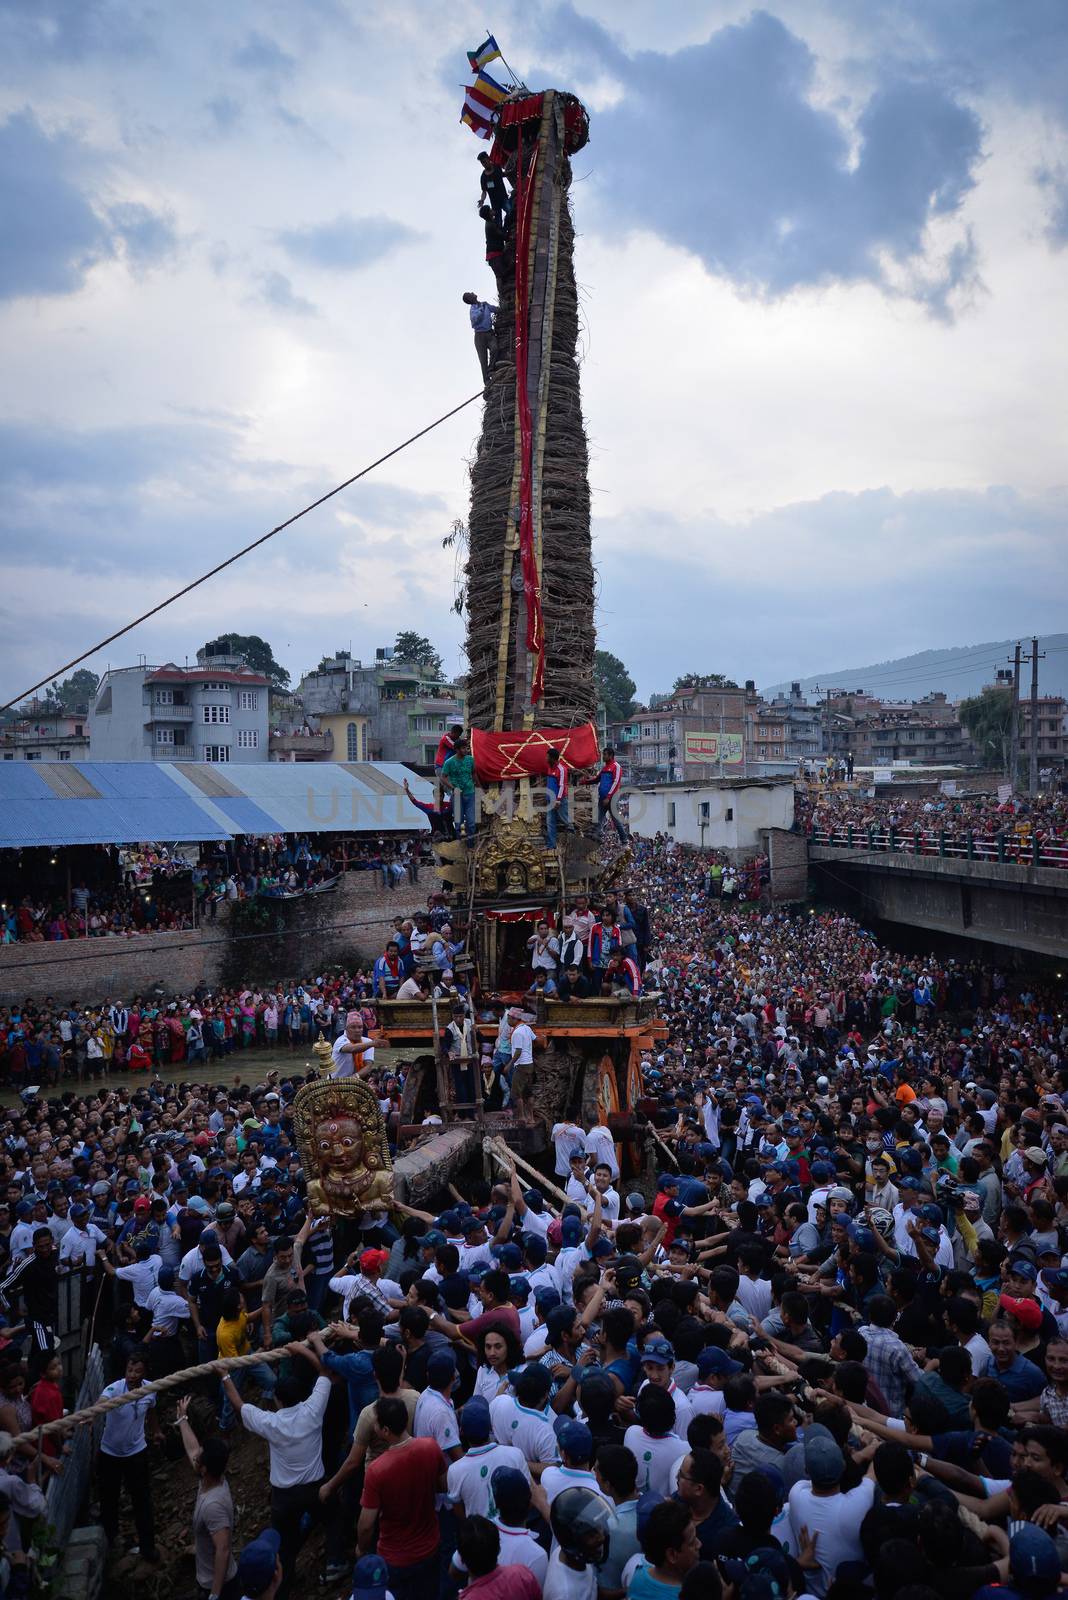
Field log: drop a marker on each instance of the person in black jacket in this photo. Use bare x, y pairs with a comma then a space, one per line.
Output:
35, 1280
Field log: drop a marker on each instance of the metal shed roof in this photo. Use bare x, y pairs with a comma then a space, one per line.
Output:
127, 802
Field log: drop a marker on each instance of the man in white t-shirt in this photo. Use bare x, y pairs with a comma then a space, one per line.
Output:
575, 1442
525, 1421
832, 1518
566, 1136
577, 1185
658, 1367
656, 1454
81, 1241
602, 1147
352, 1051
435, 1415
522, 1047
469, 1479
193, 1259
123, 1458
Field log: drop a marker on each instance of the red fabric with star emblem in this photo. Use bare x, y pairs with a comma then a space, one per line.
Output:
523, 753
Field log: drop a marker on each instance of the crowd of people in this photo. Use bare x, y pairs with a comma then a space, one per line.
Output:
1015, 827
150, 888
823, 1353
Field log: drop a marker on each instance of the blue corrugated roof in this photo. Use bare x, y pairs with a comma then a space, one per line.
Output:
247, 817
135, 801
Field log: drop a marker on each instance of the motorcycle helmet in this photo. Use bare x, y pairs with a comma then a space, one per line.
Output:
580, 1521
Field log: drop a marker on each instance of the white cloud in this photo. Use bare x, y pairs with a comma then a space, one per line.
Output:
745, 430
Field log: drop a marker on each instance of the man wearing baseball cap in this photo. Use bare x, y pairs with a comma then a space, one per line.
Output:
384, 1294
259, 1567
370, 1579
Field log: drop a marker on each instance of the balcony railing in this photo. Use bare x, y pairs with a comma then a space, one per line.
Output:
176, 713
307, 740
1010, 849
174, 752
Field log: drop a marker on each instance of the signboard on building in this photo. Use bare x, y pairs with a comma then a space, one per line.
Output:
713, 748
882, 774
948, 786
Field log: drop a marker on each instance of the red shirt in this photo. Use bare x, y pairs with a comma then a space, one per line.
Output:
46, 1405
446, 748
499, 1317
505, 1583
401, 1486
670, 1223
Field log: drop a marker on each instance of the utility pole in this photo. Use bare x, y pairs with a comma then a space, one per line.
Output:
1014, 726
1032, 772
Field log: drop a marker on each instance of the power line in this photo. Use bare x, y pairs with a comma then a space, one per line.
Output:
288, 523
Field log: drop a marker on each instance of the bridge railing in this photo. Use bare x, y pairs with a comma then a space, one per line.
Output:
1008, 849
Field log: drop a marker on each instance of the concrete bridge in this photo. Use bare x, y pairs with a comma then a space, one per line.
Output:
1024, 907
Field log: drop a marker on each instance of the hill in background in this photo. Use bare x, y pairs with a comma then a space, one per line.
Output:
959, 671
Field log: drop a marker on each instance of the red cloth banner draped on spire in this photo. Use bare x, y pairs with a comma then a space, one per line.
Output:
524, 753
524, 205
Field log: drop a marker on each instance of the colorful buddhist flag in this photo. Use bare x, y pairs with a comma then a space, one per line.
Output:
487, 51
487, 91
478, 124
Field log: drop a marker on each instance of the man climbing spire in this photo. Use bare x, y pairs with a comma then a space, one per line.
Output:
482, 315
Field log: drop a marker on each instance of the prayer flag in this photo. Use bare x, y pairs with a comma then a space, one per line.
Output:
477, 122
487, 51
490, 89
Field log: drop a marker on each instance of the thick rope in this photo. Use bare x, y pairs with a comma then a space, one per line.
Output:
176, 1380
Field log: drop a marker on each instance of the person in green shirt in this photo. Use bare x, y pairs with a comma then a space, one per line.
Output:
458, 776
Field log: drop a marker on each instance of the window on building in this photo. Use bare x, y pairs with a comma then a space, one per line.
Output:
33, 755
706, 811
728, 815
215, 687
352, 742
164, 697
247, 700
64, 755
9, 755
248, 739
363, 743
77, 730
213, 713
216, 752
671, 813
164, 735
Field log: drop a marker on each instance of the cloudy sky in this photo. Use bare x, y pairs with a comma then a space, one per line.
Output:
822, 253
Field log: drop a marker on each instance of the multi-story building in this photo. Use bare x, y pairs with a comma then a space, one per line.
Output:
683, 738
391, 711
44, 734
216, 711
1052, 729
876, 733
802, 738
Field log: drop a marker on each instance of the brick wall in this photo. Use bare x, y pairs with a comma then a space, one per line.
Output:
322, 930
788, 860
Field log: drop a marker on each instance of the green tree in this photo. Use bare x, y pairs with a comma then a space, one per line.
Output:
79, 688
988, 719
73, 693
614, 684
411, 646
702, 680
256, 651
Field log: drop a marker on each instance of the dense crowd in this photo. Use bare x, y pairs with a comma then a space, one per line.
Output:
151, 888
824, 1354
1017, 824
